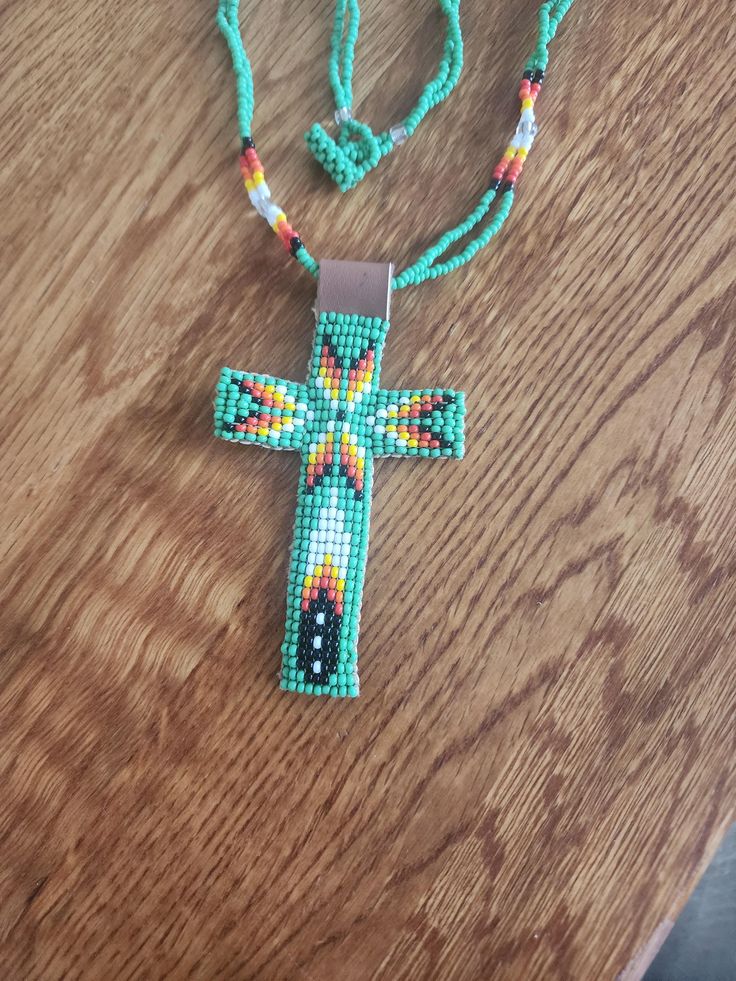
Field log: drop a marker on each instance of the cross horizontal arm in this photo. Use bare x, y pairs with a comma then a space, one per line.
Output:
260, 409
424, 422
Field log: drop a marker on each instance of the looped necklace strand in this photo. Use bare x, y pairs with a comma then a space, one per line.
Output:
348, 171
357, 150
340, 419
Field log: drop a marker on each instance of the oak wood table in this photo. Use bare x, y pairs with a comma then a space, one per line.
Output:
541, 761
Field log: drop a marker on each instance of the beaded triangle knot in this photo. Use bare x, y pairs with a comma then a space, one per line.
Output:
349, 158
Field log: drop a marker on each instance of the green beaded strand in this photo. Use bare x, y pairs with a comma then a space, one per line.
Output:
342, 52
357, 149
550, 16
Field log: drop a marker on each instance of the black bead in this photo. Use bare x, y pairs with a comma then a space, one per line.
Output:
507, 186
248, 143
528, 74
296, 244
538, 75
495, 184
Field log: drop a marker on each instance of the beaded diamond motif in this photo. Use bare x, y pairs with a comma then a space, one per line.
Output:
339, 421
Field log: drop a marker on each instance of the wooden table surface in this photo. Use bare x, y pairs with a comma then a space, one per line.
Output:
541, 761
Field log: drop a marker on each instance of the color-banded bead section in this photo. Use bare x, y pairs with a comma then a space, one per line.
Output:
260, 197
508, 170
341, 453
426, 423
260, 409
353, 377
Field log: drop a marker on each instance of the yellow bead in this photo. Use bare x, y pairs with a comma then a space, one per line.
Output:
521, 153
527, 104
279, 218
312, 458
317, 571
263, 431
349, 396
308, 582
249, 185
328, 559
413, 442
323, 372
341, 584
269, 388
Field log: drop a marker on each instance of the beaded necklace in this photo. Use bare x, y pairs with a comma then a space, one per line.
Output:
340, 419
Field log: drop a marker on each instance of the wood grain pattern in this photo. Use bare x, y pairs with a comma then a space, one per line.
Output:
542, 759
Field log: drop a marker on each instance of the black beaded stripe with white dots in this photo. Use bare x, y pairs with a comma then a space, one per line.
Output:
325, 657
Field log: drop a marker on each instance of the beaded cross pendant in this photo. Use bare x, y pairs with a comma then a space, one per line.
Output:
339, 420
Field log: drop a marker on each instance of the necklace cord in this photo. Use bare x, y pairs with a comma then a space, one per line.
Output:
357, 149
504, 175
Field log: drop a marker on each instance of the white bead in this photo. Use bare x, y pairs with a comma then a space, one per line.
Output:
343, 115
320, 619
271, 212
317, 643
398, 134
